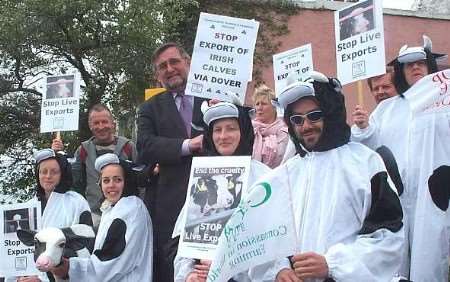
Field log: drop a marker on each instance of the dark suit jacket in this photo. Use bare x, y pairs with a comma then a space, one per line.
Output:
160, 136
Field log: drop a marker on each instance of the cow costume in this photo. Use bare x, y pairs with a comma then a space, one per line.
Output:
346, 210
123, 246
222, 110
62, 208
389, 126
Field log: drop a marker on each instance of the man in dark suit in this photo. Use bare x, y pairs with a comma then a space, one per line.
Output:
165, 137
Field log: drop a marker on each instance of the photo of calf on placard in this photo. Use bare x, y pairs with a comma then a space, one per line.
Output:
60, 86
213, 197
356, 19
216, 187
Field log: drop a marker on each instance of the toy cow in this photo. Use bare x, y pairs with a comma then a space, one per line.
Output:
51, 244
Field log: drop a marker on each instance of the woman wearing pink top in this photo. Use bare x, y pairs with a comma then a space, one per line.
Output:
271, 133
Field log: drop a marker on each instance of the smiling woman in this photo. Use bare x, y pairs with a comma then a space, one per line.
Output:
271, 134
124, 238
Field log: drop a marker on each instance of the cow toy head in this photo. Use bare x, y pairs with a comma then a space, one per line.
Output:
50, 244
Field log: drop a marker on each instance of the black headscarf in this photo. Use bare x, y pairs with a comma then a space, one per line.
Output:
66, 177
131, 172
336, 131
399, 77
245, 147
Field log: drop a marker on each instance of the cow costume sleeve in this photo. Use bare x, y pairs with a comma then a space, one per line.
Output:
372, 255
123, 247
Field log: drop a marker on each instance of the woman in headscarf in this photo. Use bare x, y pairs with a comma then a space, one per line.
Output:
60, 207
123, 246
229, 133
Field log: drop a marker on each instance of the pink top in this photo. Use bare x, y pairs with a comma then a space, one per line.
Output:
270, 142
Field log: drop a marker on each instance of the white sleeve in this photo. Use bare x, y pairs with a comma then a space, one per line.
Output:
367, 136
181, 268
372, 257
122, 253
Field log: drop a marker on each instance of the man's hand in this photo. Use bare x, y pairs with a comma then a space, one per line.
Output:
310, 265
360, 117
28, 279
57, 145
200, 272
196, 144
287, 275
62, 270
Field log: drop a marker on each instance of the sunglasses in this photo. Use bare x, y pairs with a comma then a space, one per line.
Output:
313, 117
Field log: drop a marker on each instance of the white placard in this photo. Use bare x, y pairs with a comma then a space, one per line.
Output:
222, 59
260, 230
61, 104
297, 60
359, 41
215, 188
17, 258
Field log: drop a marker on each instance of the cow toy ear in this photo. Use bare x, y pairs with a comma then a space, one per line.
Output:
26, 236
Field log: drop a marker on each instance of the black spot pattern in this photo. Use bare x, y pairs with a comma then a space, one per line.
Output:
114, 242
385, 211
439, 187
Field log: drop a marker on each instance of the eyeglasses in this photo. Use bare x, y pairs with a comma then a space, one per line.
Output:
50, 172
172, 62
313, 117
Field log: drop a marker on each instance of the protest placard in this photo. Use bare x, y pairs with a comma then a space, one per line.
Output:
248, 241
215, 188
222, 59
359, 37
61, 104
17, 258
298, 60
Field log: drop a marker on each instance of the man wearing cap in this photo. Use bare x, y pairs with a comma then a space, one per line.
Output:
348, 217
388, 124
165, 137
103, 127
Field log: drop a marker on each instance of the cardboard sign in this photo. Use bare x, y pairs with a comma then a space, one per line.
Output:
359, 36
61, 104
222, 60
298, 60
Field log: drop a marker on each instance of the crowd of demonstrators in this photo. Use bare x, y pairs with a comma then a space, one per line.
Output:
123, 249
103, 128
348, 216
271, 134
229, 133
60, 207
166, 137
354, 215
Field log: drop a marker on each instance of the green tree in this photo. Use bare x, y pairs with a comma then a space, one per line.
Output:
108, 42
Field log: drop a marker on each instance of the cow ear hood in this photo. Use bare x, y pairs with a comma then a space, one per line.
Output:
66, 171
336, 131
130, 169
408, 54
245, 147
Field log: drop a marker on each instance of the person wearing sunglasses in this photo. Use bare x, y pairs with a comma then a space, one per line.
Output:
348, 216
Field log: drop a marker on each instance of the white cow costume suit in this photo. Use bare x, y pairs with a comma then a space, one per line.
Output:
389, 126
345, 207
63, 208
184, 266
123, 246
